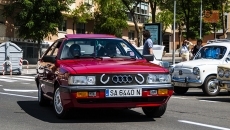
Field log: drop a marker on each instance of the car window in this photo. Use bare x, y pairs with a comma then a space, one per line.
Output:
211, 52
98, 48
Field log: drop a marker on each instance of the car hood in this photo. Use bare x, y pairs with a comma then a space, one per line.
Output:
196, 63
112, 66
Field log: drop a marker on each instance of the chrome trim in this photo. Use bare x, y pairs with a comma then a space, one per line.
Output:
122, 79
221, 81
140, 82
106, 81
186, 80
153, 86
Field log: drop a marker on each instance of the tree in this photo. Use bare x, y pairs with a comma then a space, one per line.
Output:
80, 14
131, 6
166, 18
37, 19
110, 17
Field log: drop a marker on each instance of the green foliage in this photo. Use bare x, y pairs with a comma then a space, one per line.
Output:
36, 19
166, 18
188, 14
110, 18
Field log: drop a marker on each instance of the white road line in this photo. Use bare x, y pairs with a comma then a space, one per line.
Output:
0, 85
17, 95
204, 125
207, 101
31, 77
179, 98
25, 83
10, 78
19, 90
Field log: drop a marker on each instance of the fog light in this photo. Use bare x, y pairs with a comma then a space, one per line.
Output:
162, 91
153, 92
82, 94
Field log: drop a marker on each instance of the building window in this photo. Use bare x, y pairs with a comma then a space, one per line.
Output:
80, 28
62, 28
141, 12
131, 35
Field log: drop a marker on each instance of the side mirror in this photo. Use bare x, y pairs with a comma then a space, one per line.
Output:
149, 57
51, 59
165, 64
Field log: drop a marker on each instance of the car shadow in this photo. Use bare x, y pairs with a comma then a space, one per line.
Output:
47, 114
201, 94
226, 100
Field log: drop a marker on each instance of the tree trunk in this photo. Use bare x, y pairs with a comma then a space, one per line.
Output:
73, 27
223, 19
153, 6
136, 28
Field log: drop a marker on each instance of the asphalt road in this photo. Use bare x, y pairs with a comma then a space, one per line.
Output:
19, 110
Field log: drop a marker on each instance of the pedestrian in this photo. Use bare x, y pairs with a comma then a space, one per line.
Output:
185, 51
197, 47
148, 44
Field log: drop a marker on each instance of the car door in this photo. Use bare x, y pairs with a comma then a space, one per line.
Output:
44, 69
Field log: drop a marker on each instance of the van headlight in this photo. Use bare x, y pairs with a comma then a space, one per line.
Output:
221, 72
196, 71
158, 78
227, 74
82, 80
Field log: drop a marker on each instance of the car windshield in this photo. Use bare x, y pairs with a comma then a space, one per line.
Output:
114, 48
211, 52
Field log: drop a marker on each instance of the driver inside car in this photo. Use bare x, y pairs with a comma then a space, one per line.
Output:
75, 50
110, 49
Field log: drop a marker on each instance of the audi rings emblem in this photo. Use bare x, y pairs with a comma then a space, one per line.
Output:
122, 79
140, 82
104, 82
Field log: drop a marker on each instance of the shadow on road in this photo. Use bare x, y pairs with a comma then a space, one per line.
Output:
227, 100
82, 116
201, 94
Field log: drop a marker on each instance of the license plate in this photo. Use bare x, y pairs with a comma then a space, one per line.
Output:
180, 84
123, 92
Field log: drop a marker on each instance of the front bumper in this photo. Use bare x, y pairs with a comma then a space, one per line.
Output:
188, 82
223, 84
69, 99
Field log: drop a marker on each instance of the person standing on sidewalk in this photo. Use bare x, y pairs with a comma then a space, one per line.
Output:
197, 47
185, 51
148, 44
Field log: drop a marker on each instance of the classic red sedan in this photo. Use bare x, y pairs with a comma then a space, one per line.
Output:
95, 71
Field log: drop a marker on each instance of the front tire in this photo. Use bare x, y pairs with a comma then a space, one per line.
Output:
42, 100
59, 109
210, 88
180, 90
155, 112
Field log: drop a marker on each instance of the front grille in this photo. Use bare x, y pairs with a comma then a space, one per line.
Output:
122, 100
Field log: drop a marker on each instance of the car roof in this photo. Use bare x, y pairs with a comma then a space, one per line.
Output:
226, 44
89, 36
218, 41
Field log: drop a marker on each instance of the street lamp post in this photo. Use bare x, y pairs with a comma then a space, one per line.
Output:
174, 28
201, 10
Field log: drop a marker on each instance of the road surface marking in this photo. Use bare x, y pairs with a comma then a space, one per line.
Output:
7, 80
207, 101
204, 125
0, 85
25, 83
31, 77
5, 77
19, 90
17, 95
179, 97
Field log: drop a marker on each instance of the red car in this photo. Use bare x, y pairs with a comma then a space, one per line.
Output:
95, 71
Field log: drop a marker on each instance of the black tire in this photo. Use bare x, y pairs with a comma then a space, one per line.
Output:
42, 100
229, 92
210, 88
180, 90
58, 107
155, 112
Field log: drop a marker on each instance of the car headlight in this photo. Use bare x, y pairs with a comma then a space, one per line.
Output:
82, 80
196, 71
158, 78
221, 72
227, 74
171, 69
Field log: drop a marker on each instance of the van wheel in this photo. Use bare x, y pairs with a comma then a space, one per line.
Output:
155, 112
180, 90
210, 88
59, 109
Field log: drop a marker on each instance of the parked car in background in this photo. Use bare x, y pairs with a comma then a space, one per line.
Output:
201, 72
95, 71
223, 77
